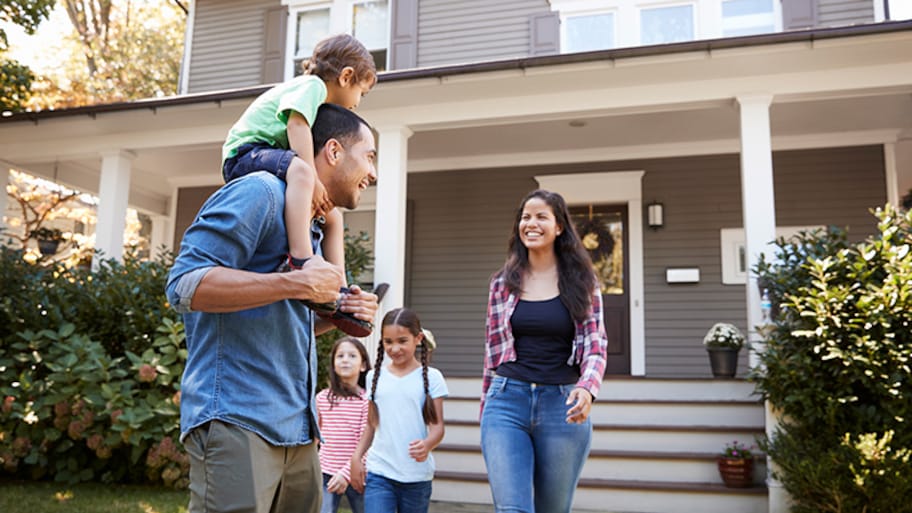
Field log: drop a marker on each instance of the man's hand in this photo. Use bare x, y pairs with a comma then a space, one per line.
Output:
317, 281
362, 305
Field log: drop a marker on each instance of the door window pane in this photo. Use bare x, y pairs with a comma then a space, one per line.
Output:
310, 28
590, 32
666, 25
602, 234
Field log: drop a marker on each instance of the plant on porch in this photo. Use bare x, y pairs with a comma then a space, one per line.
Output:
723, 342
736, 465
836, 367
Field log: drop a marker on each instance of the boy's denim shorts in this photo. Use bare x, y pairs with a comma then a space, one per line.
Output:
253, 157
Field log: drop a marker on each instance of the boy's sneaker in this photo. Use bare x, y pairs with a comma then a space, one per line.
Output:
292, 264
350, 324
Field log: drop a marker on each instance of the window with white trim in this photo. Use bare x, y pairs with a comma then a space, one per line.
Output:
747, 17
310, 21
667, 24
602, 24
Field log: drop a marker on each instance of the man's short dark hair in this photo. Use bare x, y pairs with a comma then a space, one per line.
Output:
335, 122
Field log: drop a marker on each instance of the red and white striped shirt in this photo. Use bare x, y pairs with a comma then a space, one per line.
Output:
341, 428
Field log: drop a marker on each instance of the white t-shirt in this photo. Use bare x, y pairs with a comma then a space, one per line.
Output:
400, 401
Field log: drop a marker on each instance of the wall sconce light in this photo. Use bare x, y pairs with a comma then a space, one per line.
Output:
655, 215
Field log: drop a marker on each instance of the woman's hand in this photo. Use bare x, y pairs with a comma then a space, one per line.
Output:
581, 400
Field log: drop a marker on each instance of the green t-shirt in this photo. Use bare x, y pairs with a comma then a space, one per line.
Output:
265, 120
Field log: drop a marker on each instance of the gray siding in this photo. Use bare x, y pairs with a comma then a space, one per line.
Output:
844, 12
228, 44
461, 222
451, 31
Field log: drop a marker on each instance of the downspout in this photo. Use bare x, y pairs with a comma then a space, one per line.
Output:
184, 80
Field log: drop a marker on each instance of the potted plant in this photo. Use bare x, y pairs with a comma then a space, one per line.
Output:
723, 341
736, 465
48, 239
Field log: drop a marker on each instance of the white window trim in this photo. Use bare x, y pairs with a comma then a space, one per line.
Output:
341, 19
733, 243
708, 20
694, 17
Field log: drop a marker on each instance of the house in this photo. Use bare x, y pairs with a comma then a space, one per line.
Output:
737, 119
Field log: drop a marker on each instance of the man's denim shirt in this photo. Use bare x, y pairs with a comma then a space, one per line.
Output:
254, 368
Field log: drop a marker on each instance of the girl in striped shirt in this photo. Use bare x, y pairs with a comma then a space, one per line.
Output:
342, 415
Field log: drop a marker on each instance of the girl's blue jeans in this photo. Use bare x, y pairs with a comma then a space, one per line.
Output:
331, 500
534, 457
383, 495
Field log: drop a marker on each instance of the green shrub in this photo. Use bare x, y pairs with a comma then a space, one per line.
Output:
837, 367
74, 413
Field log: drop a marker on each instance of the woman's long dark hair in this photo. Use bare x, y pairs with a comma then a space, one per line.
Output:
576, 276
408, 319
338, 389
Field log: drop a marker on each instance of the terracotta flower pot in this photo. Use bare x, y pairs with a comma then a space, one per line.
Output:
736, 473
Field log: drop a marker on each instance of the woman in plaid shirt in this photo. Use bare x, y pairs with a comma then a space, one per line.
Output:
544, 360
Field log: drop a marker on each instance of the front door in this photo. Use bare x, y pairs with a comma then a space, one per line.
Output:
602, 230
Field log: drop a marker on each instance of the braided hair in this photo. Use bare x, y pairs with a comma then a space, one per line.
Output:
408, 319
338, 389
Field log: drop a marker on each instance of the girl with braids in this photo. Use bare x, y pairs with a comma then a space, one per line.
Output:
405, 421
342, 415
544, 359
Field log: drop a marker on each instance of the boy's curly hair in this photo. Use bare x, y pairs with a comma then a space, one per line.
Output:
334, 53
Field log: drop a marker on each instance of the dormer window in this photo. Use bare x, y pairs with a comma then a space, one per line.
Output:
311, 21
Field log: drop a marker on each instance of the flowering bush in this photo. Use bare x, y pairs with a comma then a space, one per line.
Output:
737, 451
723, 334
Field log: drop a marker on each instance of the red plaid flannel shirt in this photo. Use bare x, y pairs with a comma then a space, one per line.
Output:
589, 345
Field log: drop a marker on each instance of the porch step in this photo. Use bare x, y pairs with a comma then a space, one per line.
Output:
619, 495
653, 447
671, 467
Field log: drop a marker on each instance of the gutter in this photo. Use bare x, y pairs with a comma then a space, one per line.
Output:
809, 35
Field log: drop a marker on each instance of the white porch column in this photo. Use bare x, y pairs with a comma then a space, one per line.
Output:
113, 193
160, 236
389, 230
759, 212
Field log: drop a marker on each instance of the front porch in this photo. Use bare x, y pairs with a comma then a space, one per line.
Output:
653, 448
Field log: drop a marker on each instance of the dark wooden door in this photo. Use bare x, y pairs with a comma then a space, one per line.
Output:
603, 231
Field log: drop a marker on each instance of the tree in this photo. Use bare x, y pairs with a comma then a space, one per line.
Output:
119, 51
15, 78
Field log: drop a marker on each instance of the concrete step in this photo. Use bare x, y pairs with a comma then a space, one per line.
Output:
673, 467
745, 413
606, 496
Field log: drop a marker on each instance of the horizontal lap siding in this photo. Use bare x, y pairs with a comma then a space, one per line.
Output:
459, 31
228, 43
703, 195
462, 221
845, 12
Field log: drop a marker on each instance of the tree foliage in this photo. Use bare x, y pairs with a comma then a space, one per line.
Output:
838, 367
15, 78
118, 51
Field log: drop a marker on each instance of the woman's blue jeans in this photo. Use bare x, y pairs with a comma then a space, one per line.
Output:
383, 495
534, 457
331, 500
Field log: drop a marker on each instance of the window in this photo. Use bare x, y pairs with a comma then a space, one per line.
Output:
311, 21
746, 17
734, 252
671, 24
585, 32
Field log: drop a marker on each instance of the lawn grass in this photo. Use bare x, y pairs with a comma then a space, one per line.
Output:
43, 497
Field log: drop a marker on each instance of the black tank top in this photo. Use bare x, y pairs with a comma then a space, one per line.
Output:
543, 331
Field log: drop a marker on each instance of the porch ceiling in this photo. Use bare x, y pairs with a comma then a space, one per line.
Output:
853, 90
